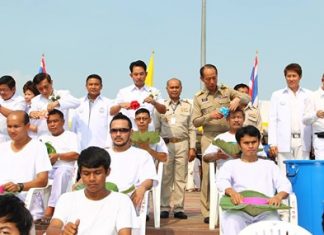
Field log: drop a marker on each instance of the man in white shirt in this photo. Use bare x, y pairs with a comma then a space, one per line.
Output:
289, 138
250, 173
94, 210
24, 161
314, 116
66, 147
91, 119
235, 121
49, 99
138, 93
9, 101
131, 166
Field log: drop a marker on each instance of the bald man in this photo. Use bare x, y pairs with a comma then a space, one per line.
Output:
24, 161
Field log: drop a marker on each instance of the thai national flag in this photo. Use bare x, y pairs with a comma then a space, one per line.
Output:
42, 68
254, 83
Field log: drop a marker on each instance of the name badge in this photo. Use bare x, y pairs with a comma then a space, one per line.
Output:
173, 121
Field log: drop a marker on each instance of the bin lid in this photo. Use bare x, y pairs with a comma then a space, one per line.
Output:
304, 162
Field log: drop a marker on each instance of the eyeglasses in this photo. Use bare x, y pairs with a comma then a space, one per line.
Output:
121, 130
141, 118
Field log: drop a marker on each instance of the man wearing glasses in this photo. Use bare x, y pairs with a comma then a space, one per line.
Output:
130, 166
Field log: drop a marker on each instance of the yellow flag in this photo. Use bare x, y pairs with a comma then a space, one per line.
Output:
150, 72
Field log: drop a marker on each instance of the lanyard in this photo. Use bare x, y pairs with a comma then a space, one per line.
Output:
174, 106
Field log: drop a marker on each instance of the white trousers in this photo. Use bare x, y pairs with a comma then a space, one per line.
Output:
61, 177
234, 221
296, 153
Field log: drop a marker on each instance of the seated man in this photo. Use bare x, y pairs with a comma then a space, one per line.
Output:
15, 219
24, 161
94, 210
66, 148
235, 121
158, 151
250, 173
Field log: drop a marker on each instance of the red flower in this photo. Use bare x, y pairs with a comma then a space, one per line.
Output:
134, 105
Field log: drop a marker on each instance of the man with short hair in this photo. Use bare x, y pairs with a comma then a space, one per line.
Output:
91, 119
24, 161
15, 219
66, 147
176, 128
314, 116
94, 210
9, 101
49, 99
158, 151
142, 95
250, 173
137, 163
289, 138
252, 114
207, 106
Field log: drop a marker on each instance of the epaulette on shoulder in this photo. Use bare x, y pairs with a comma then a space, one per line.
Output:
185, 101
223, 87
199, 93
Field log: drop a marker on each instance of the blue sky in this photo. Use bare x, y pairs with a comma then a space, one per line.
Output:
82, 37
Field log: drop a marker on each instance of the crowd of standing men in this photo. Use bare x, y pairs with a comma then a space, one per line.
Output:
296, 121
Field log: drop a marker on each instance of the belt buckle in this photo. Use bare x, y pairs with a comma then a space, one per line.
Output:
296, 135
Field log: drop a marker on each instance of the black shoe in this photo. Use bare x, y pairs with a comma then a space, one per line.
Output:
206, 220
180, 215
147, 218
164, 215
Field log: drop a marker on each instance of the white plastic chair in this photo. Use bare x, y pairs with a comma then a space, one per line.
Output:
44, 191
73, 178
156, 193
142, 217
273, 228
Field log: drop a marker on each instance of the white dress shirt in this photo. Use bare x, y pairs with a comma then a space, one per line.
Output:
132, 93
91, 122
280, 116
66, 101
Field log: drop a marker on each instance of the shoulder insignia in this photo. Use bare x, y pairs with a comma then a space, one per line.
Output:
199, 93
223, 87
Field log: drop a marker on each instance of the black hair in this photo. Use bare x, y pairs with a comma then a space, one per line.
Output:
93, 157
294, 67
138, 63
95, 76
142, 110
237, 111
8, 80
56, 111
13, 210
207, 66
121, 116
29, 85
241, 85
40, 77
247, 130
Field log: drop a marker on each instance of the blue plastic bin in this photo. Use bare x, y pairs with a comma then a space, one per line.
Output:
307, 179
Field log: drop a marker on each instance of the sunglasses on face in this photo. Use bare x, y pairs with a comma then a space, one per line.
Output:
121, 130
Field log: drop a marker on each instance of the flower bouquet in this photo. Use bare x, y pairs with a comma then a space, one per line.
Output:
151, 137
134, 105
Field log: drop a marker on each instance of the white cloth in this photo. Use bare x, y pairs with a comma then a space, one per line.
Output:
242, 176
228, 137
63, 143
280, 115
313, 104
160, 147
66, 101
106, 216
132, 93
131, 167
91, 122
16, 102
62, 171
23, 166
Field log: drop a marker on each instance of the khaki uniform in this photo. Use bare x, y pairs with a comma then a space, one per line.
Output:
175, 126
252, 117
203, 104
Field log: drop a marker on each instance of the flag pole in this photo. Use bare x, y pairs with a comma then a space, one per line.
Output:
203, 37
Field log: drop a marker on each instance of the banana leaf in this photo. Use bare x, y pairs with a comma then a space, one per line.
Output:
253, 210
151, 137
229, 148
50, 148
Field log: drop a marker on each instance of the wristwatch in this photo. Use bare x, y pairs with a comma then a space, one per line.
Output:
21, 187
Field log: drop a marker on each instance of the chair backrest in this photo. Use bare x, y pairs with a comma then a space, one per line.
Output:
274, 228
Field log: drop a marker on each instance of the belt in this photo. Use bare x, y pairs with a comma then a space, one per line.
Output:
173, 140
295, 135
320, 134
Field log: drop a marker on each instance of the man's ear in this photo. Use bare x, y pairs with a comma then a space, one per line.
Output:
108, 171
